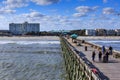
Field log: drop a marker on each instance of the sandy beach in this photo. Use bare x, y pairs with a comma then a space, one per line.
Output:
30, 38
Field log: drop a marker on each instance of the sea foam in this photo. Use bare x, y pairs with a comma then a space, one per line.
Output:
29, 42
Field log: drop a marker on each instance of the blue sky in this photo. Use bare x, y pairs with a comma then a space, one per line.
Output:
61, 14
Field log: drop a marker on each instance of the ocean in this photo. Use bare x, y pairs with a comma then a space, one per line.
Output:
108, 42
31, 60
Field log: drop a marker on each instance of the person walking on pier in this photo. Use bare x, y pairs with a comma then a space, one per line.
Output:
85, 48
107, 56
100, 55
93, 56
103, 49
110, 50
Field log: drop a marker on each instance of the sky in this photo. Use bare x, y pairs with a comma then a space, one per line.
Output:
61, 14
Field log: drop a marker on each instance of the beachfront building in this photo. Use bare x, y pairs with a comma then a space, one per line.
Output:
90, 32
117, 32
110, 32
101, 32
5, 33
23, 28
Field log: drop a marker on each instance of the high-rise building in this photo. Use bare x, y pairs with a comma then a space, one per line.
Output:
90, 32
24, 28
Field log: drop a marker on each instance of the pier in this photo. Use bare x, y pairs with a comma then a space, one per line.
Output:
79, 65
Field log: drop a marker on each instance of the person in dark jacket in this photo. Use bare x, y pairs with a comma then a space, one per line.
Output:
93, 56
100, 55
103, 49
110, 50
107, 56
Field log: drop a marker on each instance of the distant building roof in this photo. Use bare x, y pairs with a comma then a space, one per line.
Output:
24, 23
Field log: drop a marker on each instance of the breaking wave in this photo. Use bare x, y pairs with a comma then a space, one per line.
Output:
29, 42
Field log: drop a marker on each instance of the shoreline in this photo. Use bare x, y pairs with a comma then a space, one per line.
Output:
57, 37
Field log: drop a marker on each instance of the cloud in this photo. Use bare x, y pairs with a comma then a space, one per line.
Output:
8, 6
6, 11
105, 1
2, 17
102, 17
82, 11
33, 14
79, 15
11, 4
45, 2
86, 9
108, 11
23, 3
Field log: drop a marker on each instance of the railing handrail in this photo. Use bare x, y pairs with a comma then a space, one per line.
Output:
99, 46
84, 61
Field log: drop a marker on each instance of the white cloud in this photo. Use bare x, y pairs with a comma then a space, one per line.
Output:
6, 11
108, 10
2, 17
23, 3
10, 4
33, 14
86, 9
45, 2
82, 11
55, 22
105, 1
79, 15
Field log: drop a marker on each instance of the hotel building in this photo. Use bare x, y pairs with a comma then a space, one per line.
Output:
23, 28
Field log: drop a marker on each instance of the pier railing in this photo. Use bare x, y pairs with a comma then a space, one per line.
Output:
116, 54
77, 65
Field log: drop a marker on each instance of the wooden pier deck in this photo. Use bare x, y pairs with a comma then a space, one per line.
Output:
110, 69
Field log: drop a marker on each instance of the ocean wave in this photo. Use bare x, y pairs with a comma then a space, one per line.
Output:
101, 41
29, 42
114, 43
